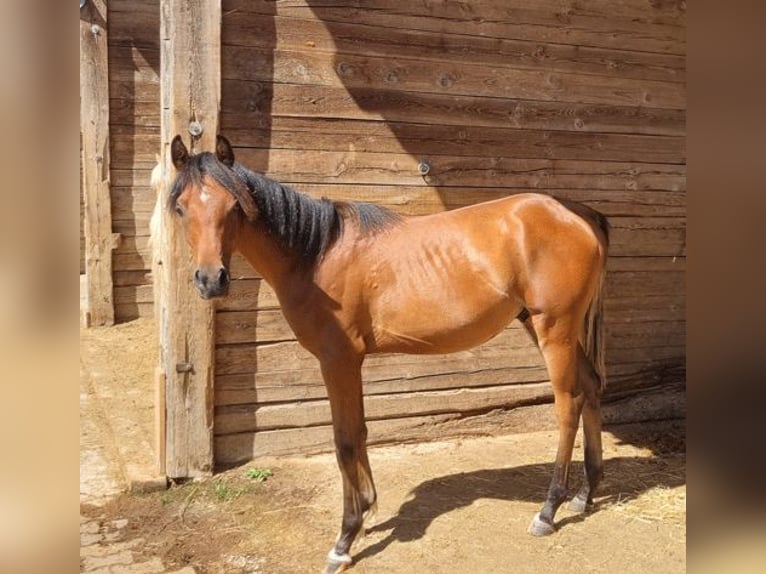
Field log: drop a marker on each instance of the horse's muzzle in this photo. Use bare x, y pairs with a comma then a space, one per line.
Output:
213, 283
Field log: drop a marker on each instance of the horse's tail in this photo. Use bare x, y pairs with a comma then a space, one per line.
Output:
593, 339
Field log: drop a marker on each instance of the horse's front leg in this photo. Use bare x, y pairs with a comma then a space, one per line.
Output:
343, 379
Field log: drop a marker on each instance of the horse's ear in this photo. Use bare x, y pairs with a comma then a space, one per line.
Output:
223, 151
178, 152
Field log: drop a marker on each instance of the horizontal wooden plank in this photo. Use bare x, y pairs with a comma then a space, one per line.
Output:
247, 295
311, 34
129, 90
133, 225
655, 27
400, 374
251, 326
246, 418
646, 238
674, 264
242, 270
238, 448
297, 166
135, 151
643, 283
136, 147
133, 207
645, 308
133, 203
134, 23
132, 261
657, 403
617, 204
147, 135
456, 78
134, 113
128, 59
624, 378
249, 389
435, 140
127, 278
133, 244
250, 103
233, 448
632, 335
131, 178
126, 294
414, 200
124, 312
647, 354
128, 66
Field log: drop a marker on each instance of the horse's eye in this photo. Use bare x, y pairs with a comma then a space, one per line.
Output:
179, 210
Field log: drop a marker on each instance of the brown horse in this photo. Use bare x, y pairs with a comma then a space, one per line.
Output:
356, 278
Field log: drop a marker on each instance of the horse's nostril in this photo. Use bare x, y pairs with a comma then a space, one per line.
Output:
223, 277
197, 277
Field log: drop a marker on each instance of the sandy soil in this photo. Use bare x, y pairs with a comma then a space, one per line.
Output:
444, 507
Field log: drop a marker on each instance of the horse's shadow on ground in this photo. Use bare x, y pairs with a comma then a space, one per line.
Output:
625, 479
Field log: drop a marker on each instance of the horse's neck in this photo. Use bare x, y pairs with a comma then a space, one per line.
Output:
272, 261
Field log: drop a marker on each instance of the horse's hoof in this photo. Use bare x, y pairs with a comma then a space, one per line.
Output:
540, 528
579, 505
337, 562
335, 567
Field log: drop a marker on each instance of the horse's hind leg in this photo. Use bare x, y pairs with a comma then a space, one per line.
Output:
558, 341
591, 417
344, 387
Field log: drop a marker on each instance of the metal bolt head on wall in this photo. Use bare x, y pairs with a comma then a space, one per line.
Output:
195, 129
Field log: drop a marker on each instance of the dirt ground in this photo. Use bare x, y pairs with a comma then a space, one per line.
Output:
444, 507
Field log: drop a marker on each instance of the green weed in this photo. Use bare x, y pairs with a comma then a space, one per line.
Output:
258, 474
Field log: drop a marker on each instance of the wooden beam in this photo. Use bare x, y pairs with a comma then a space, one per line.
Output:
94, 158
190, 92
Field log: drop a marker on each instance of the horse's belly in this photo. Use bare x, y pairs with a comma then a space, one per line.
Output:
443, 289
425, 327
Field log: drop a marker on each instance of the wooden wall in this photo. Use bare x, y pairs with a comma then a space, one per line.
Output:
134, 93
586, 103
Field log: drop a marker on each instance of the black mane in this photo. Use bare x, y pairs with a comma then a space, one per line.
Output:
301, 223
304, 225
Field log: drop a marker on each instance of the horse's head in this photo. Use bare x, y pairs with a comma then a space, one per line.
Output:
212, 201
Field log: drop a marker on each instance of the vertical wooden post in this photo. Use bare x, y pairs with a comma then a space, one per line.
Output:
94, 129
190, 92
